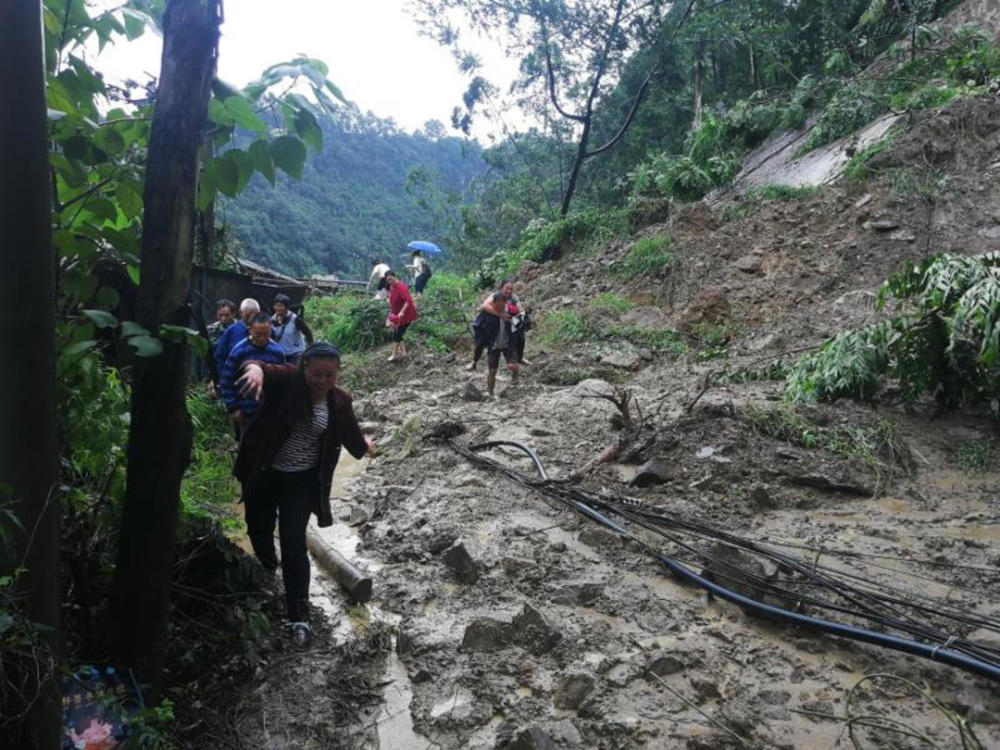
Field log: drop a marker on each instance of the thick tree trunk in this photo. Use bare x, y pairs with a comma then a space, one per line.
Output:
699, 83
29, 452
160, 431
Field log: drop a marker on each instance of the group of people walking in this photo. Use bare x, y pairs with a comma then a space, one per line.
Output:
292, 419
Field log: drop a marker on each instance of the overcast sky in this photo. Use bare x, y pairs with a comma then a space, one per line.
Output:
373, 48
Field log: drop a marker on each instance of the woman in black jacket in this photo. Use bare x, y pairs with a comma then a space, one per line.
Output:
286, 462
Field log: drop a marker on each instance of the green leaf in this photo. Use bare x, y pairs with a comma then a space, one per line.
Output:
134, 26
219, 114
133, 273
101, 318
335, 90
131, 328
181, 334
206, 188
108, 297
308, 129
129, 199
146, 346
262, 161
289, 154
242, 111
225, 174
243, 164
102, 208
78, 347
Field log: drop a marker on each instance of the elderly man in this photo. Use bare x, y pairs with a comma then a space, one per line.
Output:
258, 347
235, 333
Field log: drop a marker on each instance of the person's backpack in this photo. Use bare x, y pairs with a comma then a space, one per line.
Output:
427, 269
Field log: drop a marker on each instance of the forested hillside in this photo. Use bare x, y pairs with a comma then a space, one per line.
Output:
353, 199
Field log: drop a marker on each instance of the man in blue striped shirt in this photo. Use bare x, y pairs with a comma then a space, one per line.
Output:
257, 346
235, 333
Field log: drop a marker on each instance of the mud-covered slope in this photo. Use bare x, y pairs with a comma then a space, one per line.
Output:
523, 625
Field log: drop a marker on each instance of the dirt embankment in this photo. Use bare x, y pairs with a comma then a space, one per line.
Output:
522, 625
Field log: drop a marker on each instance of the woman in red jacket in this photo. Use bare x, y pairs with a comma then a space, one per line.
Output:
402, 312
286, 462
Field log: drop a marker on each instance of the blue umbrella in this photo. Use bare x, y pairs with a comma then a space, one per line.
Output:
424, 247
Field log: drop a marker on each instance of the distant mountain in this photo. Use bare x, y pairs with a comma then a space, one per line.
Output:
351, 202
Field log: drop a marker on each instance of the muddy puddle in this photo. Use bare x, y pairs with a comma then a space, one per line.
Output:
393, 720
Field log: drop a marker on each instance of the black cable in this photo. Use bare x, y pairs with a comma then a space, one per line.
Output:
971, 657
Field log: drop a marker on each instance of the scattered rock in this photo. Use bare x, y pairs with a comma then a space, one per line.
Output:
573, 691
903, 235
458, 559
729, 568
984, 637
707, 308
645, 355
646, 317
530, 631
706, 690
665, 664
761, 499
369, 428
655, 471
750, 264
595, 536
486, 634
531, 738
706, 452
825, 483
881, 225
979, 714
472, 394
863, 201
578, 593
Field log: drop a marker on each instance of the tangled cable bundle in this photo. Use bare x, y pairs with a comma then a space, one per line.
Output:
735, 569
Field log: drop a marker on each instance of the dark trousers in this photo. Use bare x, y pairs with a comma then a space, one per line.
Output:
288, 498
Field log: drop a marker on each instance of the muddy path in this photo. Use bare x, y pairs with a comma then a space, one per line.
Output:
517, 624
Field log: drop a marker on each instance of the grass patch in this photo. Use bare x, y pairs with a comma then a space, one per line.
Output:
755, 197
563, 327
857, 168
877, 446
649, 256
611, 302
209, 488
655, 339
973, 456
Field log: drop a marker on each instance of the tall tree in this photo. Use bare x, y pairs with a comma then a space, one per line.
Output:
160, 430
29, 454
571, 53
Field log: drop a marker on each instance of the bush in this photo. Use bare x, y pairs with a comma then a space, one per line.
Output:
208, 487
649, 256
543, 240
655, 339
946, 339
353, 323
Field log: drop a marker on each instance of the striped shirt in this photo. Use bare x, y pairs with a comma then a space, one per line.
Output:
301, 450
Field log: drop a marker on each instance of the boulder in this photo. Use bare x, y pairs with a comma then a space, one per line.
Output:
707, 308
486, 634
573, 691
653, 472
531, 738
460, 562
530, 631
664, 664
472, 394
749, 264
578, 593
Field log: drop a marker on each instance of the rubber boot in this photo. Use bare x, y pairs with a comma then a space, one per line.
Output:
491, 382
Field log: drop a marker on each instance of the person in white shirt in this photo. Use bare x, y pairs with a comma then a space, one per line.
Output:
377, 279
421, 270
